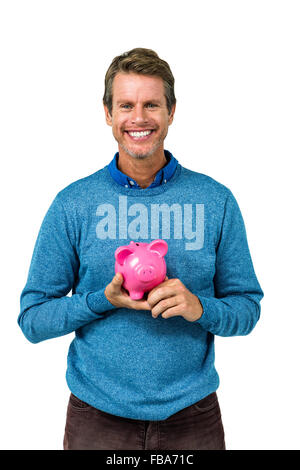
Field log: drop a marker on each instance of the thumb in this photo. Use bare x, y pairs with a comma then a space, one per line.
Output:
118, 278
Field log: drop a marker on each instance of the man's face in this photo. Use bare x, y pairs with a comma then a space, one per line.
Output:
139, 105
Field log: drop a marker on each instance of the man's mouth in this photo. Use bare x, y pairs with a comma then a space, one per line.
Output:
140, 135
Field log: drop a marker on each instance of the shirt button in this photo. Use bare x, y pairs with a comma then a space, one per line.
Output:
165, 181
126, 185
131, 182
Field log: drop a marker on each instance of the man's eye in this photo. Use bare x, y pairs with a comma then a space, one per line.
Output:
127, 106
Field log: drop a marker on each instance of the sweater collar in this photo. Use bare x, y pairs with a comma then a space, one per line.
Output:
162, 176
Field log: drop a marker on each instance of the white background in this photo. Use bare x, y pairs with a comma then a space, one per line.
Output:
237, 75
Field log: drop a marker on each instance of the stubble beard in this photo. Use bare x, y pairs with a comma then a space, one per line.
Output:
143, 156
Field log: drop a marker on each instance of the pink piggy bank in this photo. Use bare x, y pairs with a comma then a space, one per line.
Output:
142, 266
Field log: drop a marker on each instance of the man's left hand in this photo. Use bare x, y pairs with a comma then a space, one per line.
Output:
171, 298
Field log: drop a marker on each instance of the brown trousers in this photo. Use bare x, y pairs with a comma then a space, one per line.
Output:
197, 427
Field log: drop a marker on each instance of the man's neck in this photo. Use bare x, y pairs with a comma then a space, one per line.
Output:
143, 171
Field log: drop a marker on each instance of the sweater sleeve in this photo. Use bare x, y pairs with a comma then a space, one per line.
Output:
235, 308
46, 309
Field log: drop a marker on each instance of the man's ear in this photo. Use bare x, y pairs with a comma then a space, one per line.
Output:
171, 116
108, 117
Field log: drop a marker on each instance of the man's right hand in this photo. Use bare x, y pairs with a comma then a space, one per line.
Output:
118, 296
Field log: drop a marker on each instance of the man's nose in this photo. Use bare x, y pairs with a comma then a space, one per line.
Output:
139, 115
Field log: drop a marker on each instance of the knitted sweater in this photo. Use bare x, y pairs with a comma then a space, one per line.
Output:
123, 361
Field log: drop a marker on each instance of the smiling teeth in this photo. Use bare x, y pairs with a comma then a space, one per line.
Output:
139, 134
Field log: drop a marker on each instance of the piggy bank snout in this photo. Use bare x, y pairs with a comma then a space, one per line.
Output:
146, 273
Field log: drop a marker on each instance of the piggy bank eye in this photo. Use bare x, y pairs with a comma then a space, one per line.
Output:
137, 244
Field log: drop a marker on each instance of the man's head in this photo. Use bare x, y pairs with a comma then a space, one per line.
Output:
139, 96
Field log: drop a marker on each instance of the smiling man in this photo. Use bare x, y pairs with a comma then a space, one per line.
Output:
140, 118
141, 372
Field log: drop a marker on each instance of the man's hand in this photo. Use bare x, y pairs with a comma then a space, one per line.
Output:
118, 296
171, 298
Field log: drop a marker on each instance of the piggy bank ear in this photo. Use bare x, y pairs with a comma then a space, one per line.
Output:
159, 246
122, 252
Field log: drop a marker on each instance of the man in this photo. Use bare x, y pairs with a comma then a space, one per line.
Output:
141, 372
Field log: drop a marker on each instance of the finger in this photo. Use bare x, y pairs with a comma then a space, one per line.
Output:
139, 304
117, 282
161, 293
163, 283
155, 289
164, 305
172, 312
118, 277
136, 304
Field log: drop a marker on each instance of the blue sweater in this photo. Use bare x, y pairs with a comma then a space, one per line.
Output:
123, 361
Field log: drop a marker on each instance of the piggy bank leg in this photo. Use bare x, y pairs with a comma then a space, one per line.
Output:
136, 295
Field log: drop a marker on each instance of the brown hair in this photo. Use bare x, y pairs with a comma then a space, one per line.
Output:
142, 61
